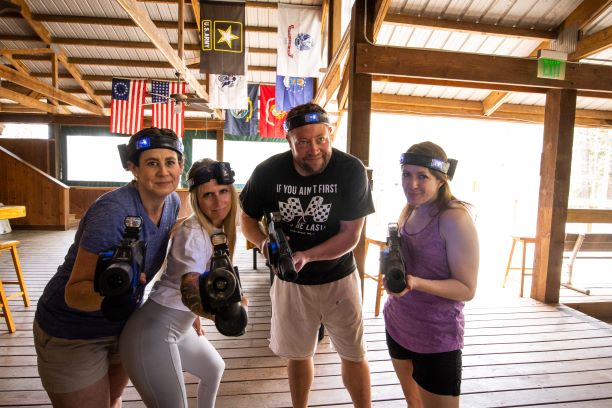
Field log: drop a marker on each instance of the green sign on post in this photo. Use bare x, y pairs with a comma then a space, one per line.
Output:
551, 64
550, 68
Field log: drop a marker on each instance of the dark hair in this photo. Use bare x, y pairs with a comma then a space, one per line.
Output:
159, 139
445, 196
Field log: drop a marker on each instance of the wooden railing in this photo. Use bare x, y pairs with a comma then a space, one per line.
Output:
82, 197
46, 199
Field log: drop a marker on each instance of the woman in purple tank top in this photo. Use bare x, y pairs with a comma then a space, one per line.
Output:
439, 246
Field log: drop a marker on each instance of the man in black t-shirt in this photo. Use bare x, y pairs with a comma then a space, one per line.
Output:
323, 196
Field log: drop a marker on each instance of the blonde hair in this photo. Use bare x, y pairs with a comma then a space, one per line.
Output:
229, 223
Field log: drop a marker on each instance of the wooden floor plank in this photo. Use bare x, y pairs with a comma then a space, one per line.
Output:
518, 352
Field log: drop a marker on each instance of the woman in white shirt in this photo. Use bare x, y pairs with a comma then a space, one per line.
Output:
164, 337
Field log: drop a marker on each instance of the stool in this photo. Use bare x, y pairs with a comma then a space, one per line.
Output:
249, 246
524, 241
12, 246
380, 290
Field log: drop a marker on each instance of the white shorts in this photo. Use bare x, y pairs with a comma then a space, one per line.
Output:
299, 310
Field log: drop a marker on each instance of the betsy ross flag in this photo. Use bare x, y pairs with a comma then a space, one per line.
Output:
222, 42
166, 112
127, 105
270, 119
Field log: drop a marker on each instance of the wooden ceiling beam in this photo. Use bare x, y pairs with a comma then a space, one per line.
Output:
468, 27
44, 35
479, 68
403, 104
27, 101
139, 14
592, 44
48, 90
580, 17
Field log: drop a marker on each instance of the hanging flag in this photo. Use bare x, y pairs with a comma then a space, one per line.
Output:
293, 91
299, 40
127, 105
244, 122
271, 120
228, 92
166, 112
222, 41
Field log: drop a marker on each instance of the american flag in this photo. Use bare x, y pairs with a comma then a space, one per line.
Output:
166, 114
127, 110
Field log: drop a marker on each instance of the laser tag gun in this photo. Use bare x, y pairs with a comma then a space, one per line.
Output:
118, 271
391, 261
279, 252
221, 291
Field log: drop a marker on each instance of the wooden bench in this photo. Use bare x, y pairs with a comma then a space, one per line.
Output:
11, 246
584, 245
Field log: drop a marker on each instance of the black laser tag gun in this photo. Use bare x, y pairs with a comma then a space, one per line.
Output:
221, 291
118, 271
391, 261
279, 251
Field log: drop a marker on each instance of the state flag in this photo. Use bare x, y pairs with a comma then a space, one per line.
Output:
166, 113
298, 40
293, 91
271, 119
228, 92
127, 105
244, 122
222, 37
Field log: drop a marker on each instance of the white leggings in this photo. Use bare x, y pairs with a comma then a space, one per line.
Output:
156, 345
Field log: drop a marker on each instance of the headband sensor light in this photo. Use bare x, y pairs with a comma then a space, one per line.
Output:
433, 163
220, 171
306, 119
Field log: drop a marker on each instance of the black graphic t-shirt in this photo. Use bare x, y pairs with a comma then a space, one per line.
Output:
311, 207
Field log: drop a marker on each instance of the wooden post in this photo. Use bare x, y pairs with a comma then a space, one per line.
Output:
359, 101
220, 135
555, 171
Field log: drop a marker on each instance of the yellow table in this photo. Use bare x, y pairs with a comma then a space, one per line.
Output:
12, 211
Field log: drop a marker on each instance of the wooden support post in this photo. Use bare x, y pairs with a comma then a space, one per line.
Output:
554, 191
220, 135
359, 101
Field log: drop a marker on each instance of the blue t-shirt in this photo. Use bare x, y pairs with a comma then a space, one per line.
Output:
101, 229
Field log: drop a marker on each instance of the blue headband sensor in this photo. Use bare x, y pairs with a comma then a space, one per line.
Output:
306, 119
166, 140
447, 167
220, 171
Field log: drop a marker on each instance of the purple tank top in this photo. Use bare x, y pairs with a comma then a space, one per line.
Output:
418, 321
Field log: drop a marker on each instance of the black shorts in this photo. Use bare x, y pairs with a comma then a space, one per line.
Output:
438, 373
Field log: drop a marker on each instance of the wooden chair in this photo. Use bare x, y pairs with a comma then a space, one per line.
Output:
6, 312
524, 241
380, 290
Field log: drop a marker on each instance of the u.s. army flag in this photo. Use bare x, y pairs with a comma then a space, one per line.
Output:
299, 40
222, 37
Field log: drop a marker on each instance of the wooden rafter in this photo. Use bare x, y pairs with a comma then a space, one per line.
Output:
582, 15
479, 68
27, 101
34, 84
592, 44
44, 35
469, 27
139, 14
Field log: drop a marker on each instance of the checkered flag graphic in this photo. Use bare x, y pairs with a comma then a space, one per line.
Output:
317, 210
290, 209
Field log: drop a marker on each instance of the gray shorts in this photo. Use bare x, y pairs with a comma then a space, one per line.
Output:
299, 310
66, 365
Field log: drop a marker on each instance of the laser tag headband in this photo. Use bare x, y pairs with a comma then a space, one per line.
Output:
149, 139
305, 119
220, 171
447, 167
